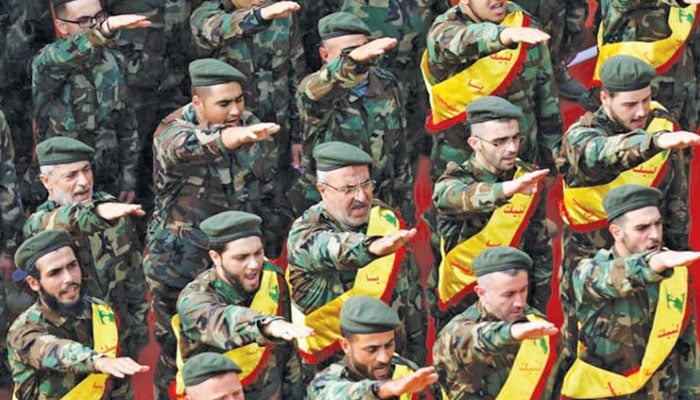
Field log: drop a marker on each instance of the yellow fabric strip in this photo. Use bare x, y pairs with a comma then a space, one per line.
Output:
371, 280
587, 381
449, 98
106, 337
584, 205
502, 229
659, 53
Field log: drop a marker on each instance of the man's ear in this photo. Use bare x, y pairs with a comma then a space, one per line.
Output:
33, 283
323, 52
345, 344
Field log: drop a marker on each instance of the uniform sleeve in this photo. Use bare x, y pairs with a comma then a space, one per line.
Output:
333, 81
35, 346
327, 386
462, 195
206, 320
599, 281
452, 42
182, 144
470, 344
77, 219
11, 215
593, 153
59, 59
549, 123
212, 26
314, 249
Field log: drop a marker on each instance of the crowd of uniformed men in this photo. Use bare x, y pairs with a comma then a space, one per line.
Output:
175, 147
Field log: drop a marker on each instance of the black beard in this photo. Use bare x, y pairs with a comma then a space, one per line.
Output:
70, 311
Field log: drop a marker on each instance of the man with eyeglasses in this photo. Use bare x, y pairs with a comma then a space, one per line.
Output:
353, 100
348, 244
490, 199
79, 91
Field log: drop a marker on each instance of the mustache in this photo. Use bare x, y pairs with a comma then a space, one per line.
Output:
69, 287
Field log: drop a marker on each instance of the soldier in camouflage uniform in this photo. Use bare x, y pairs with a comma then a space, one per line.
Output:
155, 69
262, 40
217, 309
351, 100
467, 195
102, 232
79, 91
469, 32
329, 244
407, 21
564, 21
629, 279
602, 145
209, 156
11, 219
474, 354
648, 21
25, 27
51, 343
370, 366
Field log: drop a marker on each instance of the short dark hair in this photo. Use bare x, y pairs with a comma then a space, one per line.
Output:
218, 247
201, 91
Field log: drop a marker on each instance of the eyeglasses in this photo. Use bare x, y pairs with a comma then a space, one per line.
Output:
366, 186
88, 22
515, 139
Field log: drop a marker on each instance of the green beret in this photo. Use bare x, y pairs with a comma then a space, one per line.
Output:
334, 155
341, 24
501, 258
628, 198
211, 72
491, 108
365, 314
203, 366
39, 245
62, 150
625, 74
228, 226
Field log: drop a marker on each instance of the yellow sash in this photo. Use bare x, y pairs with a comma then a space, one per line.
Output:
376, 279
529, 367
504, 228
489, 75
661, 54
106, 337
587, 381
582, 207
251, 357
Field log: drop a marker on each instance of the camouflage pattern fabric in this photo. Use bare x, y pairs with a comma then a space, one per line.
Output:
311, 11
532, 89
595, 150
337, 104
11, 213
647, 21
465, 197
49, 353
270, 54
79, 91
25, 27
607, 287
473, 354
215, 317
324, 257
195, 178
110, 258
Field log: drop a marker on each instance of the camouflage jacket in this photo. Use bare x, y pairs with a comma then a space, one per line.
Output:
465, 197
110, 257
564, 20
608, 287
647, 21
324, 256
455, 42
336, 103
11, 213
195, 178
596, 149
79, 91
49, 354
474, 353
215, 317
341, 382
269, 53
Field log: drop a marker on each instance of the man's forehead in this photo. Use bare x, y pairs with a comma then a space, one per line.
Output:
224, 91
83, 8
350, 173
56, 259
72, 167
